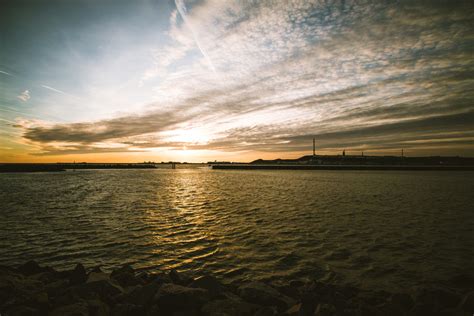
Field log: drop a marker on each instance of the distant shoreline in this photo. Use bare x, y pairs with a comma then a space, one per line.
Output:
340, 167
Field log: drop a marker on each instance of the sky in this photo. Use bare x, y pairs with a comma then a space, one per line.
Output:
102, 80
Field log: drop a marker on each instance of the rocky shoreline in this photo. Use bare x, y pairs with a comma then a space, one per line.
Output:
34, 290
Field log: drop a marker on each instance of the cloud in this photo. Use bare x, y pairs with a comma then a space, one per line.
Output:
181, 7
374, 76
24, 96
5, 73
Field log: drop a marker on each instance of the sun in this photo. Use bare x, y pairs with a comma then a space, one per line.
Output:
191, 136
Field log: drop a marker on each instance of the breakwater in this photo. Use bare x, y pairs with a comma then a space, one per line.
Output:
31, 289
57, 167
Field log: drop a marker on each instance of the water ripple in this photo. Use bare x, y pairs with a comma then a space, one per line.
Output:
371, 229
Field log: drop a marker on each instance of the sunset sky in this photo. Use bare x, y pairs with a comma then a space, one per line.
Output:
234, 80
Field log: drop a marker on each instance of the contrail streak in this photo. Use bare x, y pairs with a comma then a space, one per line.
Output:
182, 11
53, 89
58, 91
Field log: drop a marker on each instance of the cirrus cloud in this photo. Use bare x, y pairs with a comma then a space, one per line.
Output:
374, 76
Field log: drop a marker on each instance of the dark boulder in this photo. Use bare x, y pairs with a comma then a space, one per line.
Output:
127, 309
391, 309
106, 289
78, 275
76, 309
23, 311
125, 276
292, 289
123, 269
97, 288
142, 294
439, 298
325, 310
209, 283
17, 290
173, 297
421, 309
98, 308
29, 268
97, 276
262, 294
96, 269
266, 311
295, 310
467, 303
180, 278
403, 300
229, 307
55, 288
74, 294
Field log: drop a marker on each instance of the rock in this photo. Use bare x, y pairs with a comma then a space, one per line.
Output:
57, 287
228, 307
97, 276
403, 300
266, 311
296, 283
462, 281
153, 311
373, 298
348, 291
316, 289
292, 289
8, 282
161, 277
97, 269
209, 283
78, 275
262, 294
46, 276
309, 302
421, 309
142, 295
143, 277
391, 309
172, 297
22, 311
72, 295
125, 276
325, 310
106, 289
16, 290
77, 309
123, 269
467, 303
440, 298
98, 308
367, 310
179, 278
29, 268
295, 310
127, 309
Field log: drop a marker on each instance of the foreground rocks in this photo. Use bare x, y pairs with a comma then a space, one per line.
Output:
34, 290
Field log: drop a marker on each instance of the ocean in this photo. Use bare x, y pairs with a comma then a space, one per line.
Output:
372, 229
